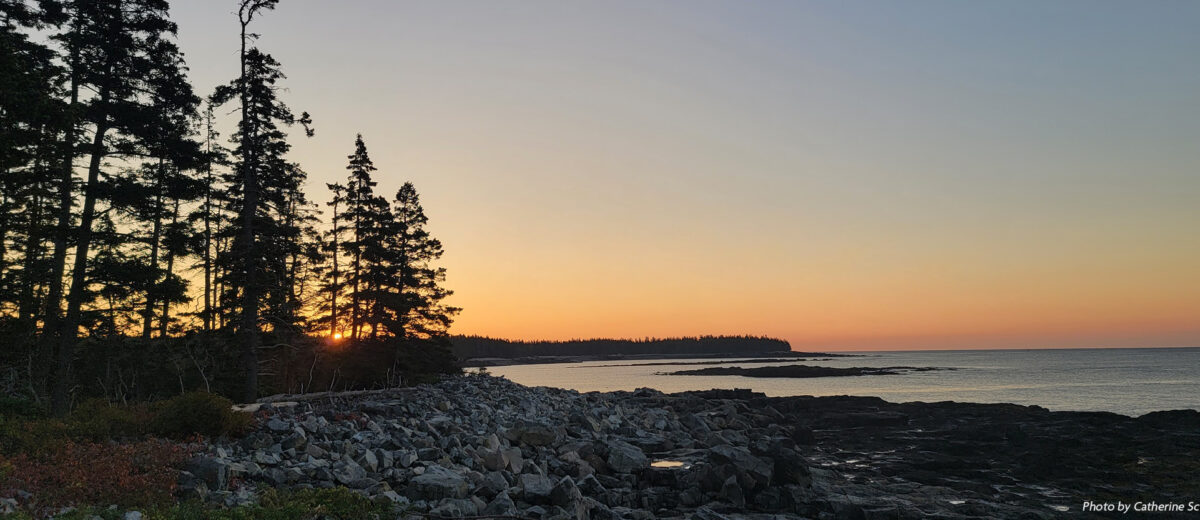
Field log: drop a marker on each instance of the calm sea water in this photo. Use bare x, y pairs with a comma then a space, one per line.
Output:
1126, 381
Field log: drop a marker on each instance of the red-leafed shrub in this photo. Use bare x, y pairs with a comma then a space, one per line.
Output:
136, 474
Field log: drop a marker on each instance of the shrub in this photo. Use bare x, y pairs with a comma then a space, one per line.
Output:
198, 413
98, 420
332, 504
16, 407
339, 503
33, 437
140, 474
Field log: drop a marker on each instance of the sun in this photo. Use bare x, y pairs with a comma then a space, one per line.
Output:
337, 335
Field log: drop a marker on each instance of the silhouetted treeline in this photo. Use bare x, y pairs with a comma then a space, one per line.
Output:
467, 347
128, 231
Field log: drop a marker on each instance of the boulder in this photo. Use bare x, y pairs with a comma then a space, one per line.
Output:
535, 488
533, 433
438, 483
705, 513
348, 472
455, 508
213, 472
369, 461
567, 496
502, 505
492, 459
626, 458
755, 472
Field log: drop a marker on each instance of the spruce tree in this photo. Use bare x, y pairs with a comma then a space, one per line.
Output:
208, 215
30, 120
333, 284
260, 183
360, 207
122, 43
418, 310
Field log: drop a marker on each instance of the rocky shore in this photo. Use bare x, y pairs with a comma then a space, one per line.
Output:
484, 446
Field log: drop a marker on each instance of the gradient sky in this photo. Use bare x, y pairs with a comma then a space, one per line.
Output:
870, 175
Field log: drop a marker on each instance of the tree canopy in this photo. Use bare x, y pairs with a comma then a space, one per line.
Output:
137, 247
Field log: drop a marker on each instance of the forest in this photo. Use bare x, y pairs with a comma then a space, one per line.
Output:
143, 255
467, 347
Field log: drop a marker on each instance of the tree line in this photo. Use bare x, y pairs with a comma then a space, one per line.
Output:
128, 227
468, 347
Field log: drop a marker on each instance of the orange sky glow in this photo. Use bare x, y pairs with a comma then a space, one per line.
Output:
843, 175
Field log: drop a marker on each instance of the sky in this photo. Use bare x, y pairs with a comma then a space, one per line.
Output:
843, 175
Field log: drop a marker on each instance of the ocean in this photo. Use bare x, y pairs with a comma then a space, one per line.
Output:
1125, 381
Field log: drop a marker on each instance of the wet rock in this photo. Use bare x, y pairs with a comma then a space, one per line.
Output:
753, 472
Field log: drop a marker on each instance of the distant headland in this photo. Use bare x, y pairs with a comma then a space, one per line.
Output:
476, 351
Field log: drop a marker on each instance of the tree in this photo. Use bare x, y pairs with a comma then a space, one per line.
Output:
121, 43
31, 122
209, 213
415, 309
173, 106
361, 206
261, 177
333, 285
30, 119
395, 289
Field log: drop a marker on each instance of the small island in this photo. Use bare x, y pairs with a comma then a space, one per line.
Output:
799, 371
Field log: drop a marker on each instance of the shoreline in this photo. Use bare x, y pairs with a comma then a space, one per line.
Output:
484, 445
800, 371
542, 360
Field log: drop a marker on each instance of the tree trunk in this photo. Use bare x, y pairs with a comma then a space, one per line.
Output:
249, 318
333, 292
69, 330
355, 318
27, 308
166, 304
208, 317
4, 228
53, 304
155, 236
